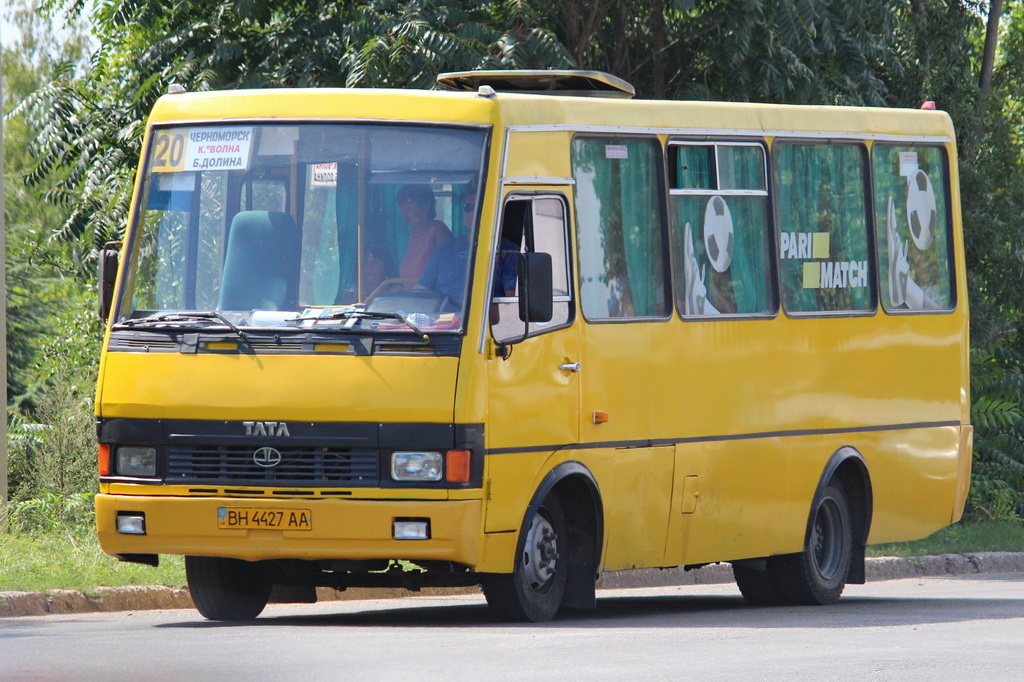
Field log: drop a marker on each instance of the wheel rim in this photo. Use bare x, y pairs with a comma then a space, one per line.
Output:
827, 544
540, 554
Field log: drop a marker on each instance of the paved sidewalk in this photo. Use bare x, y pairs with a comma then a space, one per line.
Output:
108, 599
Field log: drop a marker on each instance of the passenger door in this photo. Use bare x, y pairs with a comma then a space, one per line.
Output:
629, 363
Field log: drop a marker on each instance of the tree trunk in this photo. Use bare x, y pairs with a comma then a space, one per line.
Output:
920, 15
658, 43
995, 11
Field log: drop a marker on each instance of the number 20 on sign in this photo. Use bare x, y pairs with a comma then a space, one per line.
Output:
169, 151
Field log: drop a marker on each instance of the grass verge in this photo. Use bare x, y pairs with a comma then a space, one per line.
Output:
40, 563
966, 536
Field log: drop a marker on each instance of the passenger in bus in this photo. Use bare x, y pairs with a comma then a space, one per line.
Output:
426, 233
445, 271
508, 253
378, 265
507, 273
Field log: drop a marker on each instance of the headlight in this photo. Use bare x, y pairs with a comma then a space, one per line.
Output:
136, 461
417, 466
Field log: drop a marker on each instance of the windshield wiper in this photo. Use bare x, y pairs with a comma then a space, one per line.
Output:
350, 314
187, 317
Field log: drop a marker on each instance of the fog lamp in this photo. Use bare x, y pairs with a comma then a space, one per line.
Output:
411, 529
136, 461
417, 466
131, 523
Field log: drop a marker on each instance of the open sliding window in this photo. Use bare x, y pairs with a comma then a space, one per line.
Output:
825, 258
914, 230
530, 223
719, 197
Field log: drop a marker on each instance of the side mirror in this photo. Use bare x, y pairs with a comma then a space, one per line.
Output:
107, 276
535, 287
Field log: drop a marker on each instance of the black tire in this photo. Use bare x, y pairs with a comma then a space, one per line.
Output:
757, 586
818, 574
227, 589
536, 586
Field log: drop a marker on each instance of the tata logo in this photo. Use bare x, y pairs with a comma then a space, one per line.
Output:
266, 429
267, 457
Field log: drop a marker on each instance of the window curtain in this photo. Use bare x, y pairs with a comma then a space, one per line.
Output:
744, 288
930, 269
745, 285
621, 242
694, 167
347, 212
821, 189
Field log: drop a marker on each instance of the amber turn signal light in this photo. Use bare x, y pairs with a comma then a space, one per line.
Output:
104, 459
457, 466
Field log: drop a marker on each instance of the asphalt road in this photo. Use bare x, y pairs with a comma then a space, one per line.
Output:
910, 629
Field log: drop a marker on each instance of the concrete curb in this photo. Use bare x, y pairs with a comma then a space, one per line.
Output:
877, 568
111, 599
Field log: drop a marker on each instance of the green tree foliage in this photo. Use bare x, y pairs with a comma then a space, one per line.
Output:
40, 271
797, 51
992, 179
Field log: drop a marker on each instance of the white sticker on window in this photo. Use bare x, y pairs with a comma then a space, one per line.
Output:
908, 163
325, 175
616, 151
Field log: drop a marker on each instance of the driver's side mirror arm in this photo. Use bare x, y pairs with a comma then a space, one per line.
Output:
107, 276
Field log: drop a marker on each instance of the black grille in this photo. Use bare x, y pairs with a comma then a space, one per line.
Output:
217, 464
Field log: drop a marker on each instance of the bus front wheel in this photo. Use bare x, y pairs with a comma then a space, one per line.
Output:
536, 586
227, 589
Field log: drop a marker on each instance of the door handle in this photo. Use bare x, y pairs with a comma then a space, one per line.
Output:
570, 367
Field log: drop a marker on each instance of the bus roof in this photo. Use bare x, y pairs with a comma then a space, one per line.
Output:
552, 112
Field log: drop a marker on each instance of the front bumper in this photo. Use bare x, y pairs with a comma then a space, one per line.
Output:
341, 529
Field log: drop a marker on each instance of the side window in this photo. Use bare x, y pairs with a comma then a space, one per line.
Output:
719, 199
528, 224
619, 214
821, 203
913, 227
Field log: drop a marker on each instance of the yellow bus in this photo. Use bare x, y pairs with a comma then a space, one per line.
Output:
525, 330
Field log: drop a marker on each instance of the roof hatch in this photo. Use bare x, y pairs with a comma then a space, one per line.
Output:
540, 82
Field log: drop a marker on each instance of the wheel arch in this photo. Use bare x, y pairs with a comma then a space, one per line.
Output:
847, 464
584, 515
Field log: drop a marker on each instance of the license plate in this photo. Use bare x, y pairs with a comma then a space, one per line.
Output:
255, 518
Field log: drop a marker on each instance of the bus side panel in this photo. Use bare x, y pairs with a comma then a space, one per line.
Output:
915, 476
636, 491
537, 154
510, 481
755, 496
635, 486
744, 506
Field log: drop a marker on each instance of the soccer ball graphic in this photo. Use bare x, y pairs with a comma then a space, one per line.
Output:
921, 210
718, 234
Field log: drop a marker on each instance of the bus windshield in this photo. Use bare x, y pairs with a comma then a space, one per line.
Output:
349, 226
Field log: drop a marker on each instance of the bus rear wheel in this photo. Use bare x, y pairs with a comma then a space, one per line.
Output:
818, 574
536, 586
227, 589
757, 585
